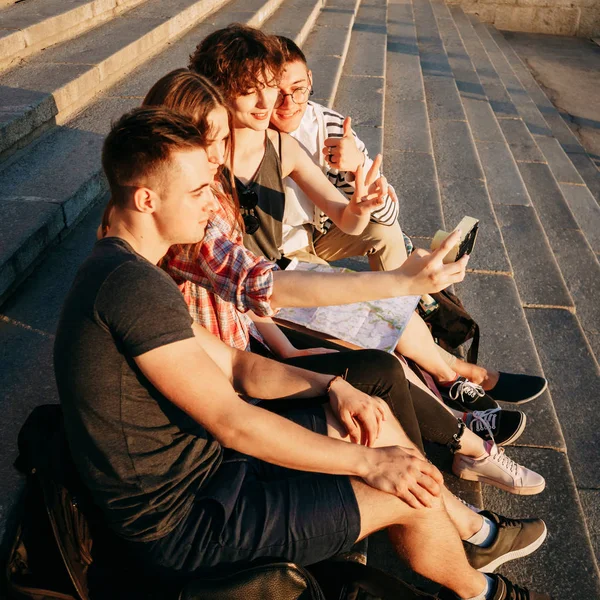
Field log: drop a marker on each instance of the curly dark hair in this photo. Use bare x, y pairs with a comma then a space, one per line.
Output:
238, 59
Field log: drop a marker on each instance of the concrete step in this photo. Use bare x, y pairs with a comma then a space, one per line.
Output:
408, 152
551, 116
48, 88
361, 89
507, 159
48, 188
460, 172
296, 21
29, 27
540, 283
326, 47
549, 198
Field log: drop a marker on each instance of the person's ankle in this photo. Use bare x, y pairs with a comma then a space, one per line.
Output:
490, 380
474, 589
487, 447
447, 380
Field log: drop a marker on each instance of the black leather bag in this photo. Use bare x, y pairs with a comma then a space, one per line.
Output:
452, 326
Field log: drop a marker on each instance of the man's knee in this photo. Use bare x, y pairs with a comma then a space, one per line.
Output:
380, 510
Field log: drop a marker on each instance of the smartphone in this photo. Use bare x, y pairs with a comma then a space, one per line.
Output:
469, 228
468, 242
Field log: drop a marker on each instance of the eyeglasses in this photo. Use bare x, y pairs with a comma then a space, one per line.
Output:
249, 201
299, 96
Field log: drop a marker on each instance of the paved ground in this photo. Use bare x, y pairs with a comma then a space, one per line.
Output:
568, 69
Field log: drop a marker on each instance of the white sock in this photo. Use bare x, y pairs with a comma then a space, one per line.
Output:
486, 535
486, 594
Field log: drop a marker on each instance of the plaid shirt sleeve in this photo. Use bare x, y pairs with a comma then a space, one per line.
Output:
225, 268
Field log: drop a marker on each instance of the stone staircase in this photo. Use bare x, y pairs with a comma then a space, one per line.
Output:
467, 131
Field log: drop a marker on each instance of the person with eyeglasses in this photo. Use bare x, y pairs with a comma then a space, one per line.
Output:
309, 234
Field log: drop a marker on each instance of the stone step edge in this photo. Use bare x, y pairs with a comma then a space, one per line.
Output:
92, 190
78, 92
473, 17
338, 74
58, 28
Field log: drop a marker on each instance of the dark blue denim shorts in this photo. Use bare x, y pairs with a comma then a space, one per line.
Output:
252, 511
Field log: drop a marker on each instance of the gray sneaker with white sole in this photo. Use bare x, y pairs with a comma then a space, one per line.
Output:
515, 538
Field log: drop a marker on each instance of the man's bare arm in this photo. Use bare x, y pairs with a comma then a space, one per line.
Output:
257, 376
422, 273
185, 374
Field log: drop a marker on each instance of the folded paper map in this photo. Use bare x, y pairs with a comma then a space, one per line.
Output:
377, 324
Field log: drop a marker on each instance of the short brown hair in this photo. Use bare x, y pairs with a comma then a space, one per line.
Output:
291, 50
140, 143
237, 58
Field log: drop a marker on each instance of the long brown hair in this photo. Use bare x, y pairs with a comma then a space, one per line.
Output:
195, 97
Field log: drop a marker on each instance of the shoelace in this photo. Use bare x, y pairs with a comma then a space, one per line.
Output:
466, 387
515, 592
484, 419
504, 461
508, 522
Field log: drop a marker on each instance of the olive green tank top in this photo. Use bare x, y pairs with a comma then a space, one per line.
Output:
268, 185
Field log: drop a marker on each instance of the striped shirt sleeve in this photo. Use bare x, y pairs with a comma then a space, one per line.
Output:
343, 181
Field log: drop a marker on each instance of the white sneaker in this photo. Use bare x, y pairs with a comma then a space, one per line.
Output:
498, 470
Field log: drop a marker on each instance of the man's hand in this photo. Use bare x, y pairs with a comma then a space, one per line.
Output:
343, 153
358, 412
370, 191
403, 473
425, 271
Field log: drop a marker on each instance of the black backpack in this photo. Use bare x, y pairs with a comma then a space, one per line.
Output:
451, 325
52, 555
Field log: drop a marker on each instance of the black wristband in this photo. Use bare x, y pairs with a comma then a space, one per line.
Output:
454, 443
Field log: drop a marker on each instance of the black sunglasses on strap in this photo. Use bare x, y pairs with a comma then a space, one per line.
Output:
249, 202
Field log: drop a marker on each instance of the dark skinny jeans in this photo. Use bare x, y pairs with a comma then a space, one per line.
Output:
379, 373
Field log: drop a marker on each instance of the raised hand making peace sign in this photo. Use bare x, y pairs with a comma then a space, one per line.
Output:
343, 153
370, 191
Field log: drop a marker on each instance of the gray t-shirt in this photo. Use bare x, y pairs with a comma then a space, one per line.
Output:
142, 458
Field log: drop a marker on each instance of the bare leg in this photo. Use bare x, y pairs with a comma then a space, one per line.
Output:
417, 344
427, 538
485, 378
466, 521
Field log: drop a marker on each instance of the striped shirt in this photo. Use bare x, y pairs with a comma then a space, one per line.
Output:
343, 181
319, 123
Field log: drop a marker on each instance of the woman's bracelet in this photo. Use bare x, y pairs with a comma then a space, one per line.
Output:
343, 377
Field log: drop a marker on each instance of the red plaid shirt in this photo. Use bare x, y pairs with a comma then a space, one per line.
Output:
220, 280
